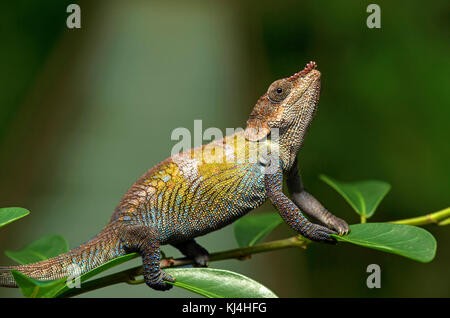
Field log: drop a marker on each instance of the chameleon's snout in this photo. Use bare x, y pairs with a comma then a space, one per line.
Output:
310, 67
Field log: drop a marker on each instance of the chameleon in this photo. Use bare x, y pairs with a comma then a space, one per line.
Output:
203, 189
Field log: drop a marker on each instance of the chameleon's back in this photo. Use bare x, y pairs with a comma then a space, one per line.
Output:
197, 191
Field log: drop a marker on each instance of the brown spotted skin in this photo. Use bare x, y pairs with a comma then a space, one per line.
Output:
206, 188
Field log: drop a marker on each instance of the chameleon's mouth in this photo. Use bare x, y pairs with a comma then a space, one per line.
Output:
312, 76
312, 84
310, 94
315, 87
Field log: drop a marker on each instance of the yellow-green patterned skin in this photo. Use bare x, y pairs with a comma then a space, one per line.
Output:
198, 191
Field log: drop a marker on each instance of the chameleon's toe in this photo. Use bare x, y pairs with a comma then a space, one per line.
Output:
194, 251
339, 225
319, 233
160, 283
201, 260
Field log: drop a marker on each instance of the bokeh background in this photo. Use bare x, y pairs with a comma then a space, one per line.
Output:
84, 112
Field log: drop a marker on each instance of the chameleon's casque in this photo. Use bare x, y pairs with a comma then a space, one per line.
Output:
206, 188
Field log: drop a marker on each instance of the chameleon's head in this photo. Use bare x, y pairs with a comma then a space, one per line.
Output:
289, 105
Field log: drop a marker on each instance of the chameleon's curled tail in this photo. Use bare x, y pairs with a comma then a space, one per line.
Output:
102, 248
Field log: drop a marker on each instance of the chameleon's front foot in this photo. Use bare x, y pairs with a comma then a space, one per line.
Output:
318, 233
337, 224
292, 215
159, 281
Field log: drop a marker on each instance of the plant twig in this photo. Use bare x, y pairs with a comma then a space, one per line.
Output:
435, 217
129, 275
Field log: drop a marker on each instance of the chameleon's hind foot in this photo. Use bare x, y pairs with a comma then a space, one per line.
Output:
192, 249
202, 260
159, 282
145, 240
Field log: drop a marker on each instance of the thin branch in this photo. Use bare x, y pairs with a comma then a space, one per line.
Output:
436, 217
129, 275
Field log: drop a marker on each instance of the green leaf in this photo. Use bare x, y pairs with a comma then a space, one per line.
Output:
32, 288
363, 196
8, 215
250, 229
40, 250
218, 283
406, 240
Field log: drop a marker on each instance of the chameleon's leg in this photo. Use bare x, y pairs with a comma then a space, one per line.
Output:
192, 249
310, 205
145, 241
291, 213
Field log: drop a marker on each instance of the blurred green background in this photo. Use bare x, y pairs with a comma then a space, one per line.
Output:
84, 112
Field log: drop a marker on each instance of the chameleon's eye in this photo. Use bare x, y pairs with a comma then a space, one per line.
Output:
279, 90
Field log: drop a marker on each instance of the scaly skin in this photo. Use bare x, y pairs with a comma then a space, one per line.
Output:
206, 188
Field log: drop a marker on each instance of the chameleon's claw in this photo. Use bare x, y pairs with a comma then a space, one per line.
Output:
201, 260
193, 250
339, 225
319, 233
160, 282
167, 277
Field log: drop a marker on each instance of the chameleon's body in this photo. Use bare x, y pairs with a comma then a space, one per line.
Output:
206, 188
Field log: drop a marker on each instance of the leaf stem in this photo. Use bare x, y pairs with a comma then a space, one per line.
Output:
363, 218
